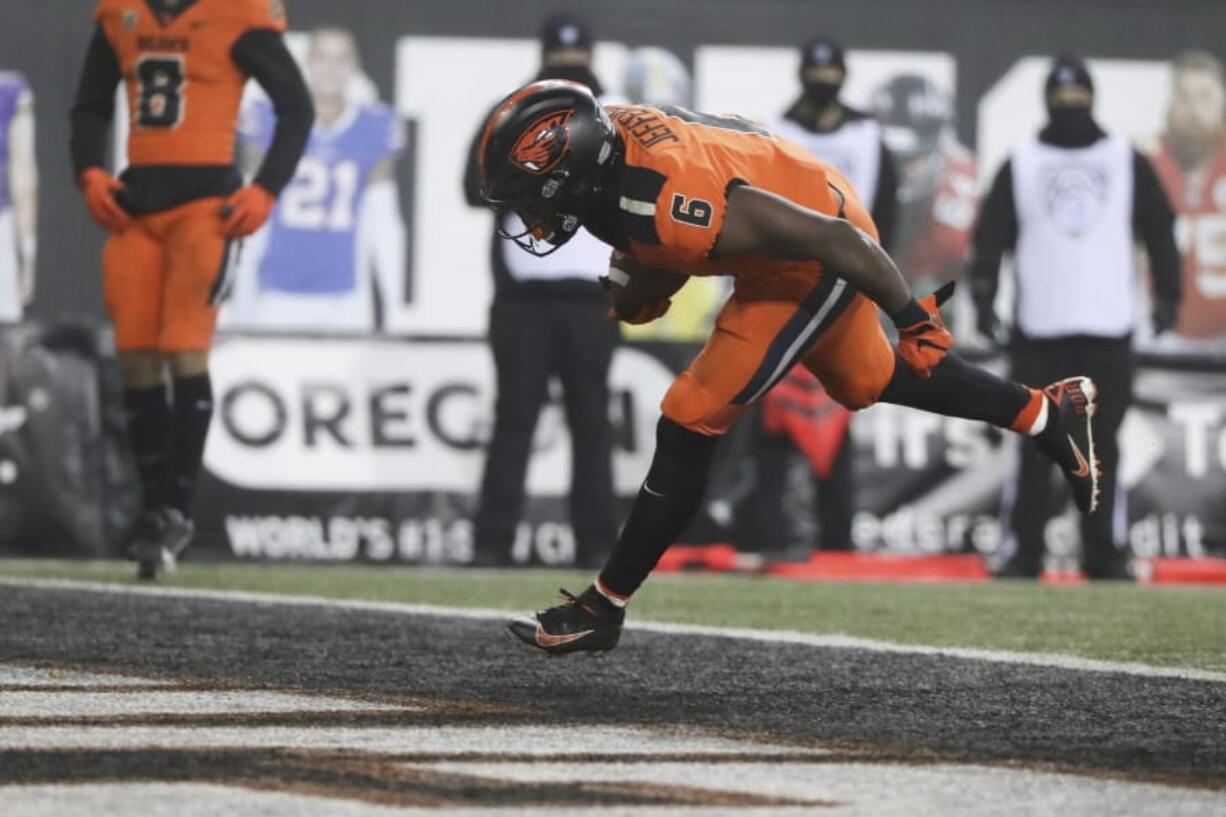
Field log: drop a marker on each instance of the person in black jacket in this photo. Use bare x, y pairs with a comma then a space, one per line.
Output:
548, 319
1070, 207
852, 141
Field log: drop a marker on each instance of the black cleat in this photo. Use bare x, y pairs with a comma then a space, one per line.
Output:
177, 533
160, 536
587, 623
1019, 567
143, 546
1069, 437
1116, 568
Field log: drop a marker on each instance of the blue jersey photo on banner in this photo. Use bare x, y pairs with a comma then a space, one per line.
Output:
12, 88
313, 233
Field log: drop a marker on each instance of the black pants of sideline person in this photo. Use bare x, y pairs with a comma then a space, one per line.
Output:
773, 515
1109, 362
533, 339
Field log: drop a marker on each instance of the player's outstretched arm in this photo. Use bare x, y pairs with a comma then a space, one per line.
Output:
761, 223
758, 222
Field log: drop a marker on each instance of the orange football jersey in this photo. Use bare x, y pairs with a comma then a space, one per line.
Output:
182, 85
699, 157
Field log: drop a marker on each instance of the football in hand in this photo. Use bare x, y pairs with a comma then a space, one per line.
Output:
637, 290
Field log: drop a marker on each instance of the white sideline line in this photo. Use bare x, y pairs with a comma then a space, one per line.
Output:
1035, 659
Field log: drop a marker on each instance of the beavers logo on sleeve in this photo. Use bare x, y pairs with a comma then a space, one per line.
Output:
544, 143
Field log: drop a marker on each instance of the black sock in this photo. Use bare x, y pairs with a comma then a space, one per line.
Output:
193, 409
958, 389
669, 498
148, 414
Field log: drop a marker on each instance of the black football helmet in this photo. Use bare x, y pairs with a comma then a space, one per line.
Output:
545, 154
914, 114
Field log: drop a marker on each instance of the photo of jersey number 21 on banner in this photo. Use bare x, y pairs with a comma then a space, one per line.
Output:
333, 257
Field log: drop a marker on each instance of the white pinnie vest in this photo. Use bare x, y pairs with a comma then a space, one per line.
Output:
854, 149
1074, 257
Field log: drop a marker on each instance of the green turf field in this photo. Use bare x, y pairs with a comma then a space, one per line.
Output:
1181, 627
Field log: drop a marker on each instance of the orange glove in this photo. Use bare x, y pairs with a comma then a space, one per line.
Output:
246, 211
647, 314
923, 339
98, 188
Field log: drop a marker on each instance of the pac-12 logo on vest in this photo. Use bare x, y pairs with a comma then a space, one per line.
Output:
1075, 196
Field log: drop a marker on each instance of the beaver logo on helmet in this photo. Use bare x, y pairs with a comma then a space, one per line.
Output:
543, 143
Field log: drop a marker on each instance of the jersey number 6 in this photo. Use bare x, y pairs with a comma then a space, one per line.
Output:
162, 77
691, 211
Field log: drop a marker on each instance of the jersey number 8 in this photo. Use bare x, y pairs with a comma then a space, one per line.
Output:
161, 103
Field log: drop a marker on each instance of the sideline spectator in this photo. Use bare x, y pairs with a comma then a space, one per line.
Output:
1070, 206
548, 318
799, 414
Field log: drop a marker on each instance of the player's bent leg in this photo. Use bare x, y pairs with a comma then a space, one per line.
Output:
1059, 417
853, 359
197, 265
132, 272
858, 366
148, 421
667, 500
192, 411
760, 334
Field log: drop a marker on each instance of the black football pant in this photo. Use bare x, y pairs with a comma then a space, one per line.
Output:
1036, 495
773, 520
532, 339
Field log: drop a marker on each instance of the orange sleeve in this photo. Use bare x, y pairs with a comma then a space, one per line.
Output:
265, 14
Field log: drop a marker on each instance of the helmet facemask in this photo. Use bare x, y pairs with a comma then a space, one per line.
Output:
550, 215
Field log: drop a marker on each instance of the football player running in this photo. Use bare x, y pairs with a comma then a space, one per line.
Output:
681, 194
174, 214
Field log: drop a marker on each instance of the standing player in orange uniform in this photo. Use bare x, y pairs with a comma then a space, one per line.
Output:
692, 194
175, 212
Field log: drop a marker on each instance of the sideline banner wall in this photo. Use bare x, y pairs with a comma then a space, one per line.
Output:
368, 449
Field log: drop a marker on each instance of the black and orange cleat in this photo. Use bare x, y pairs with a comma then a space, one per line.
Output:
1069, 437
587, 623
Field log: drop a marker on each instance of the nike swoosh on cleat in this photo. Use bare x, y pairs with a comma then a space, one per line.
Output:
1083, 467
544, 639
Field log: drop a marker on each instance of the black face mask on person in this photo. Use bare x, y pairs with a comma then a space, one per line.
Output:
1071, 126
1069, 95
822, 94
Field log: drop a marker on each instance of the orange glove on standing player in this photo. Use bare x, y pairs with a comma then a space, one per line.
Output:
98, 188
246, 211
923, 339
